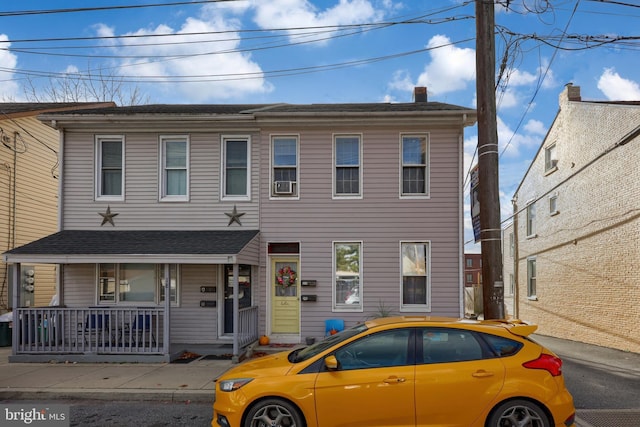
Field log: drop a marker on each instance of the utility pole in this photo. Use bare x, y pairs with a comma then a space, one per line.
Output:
489, 195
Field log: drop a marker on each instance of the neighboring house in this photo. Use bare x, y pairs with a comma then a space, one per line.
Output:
508, 256
186, 225
473, 284
577, 226
29, 169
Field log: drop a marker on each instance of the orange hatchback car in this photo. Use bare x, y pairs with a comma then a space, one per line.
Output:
401, 372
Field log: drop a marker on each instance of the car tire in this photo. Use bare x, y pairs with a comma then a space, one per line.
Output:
518, 413
274, 412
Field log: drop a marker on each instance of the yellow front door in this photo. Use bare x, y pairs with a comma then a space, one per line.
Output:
285, 290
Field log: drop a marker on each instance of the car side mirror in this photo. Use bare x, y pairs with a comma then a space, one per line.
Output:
331, 363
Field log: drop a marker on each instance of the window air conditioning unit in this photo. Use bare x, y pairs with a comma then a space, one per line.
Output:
283, 187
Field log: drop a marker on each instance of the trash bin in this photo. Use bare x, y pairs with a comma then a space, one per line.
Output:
5, 334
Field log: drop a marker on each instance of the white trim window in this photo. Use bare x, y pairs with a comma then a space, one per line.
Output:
109, 167
531, 278
347, 171
236, 168
347, 283
174, 168
284, 166
415, 287
135, 283
531, 219
414, 168
550, 158
553, 204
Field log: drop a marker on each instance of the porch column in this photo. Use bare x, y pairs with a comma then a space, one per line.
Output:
15, 301
236, 314
167, 307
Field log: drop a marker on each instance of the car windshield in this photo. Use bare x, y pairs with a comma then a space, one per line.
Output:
305, 353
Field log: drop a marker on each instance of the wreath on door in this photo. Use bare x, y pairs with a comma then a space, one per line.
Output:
286, 277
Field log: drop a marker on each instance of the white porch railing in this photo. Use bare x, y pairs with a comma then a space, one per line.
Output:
91, 330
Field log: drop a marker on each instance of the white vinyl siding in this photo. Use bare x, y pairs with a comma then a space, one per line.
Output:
109, 166
174, 168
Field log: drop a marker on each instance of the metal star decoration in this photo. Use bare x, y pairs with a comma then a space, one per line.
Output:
234, 216
107, 217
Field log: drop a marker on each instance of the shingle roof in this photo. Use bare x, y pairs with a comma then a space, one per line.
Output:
265, 109
157, 242
12, 108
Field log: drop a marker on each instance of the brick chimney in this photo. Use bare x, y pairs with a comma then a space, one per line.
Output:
420, 94
570, 93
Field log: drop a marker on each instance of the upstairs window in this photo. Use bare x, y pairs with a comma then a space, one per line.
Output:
550, 158
109, 168
284, 161
236, 168
348, 170
174, 158
414, 165
531, 219
531, 278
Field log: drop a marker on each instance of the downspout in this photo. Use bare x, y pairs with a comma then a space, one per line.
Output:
461, 289
17, 327
236, 314
516, 283
60, 275
166, 324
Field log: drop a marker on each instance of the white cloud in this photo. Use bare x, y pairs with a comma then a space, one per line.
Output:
302, 13
451, 68
617, 88
8, 87
220, 71
535, 127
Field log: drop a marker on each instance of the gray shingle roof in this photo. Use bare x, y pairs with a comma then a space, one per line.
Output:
265, 109
11, 108
89, 242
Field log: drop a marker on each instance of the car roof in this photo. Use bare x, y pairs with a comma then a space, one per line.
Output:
515, 326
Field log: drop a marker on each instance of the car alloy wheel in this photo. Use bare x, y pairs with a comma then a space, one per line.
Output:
273, 413
518, 413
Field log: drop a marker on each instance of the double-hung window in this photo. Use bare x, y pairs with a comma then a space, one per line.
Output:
284, 162
415, 276
347, 169
135, 283
531, 219
109, 162
550, 158
236, 167
415, 159
174, 168
347, 267
531, 278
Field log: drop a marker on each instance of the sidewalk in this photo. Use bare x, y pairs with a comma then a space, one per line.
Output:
194, 381
173, 382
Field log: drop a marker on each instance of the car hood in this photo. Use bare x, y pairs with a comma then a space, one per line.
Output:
266, 366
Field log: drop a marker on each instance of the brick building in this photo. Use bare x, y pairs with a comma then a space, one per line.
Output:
577, 226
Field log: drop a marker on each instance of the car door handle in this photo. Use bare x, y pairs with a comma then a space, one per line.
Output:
482, 374
394, 379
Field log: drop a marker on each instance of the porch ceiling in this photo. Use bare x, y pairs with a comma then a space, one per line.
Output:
149, 246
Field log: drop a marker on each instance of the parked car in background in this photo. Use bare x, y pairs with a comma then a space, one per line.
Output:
402, 371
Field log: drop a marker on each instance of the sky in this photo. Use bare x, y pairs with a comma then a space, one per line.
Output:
331, 51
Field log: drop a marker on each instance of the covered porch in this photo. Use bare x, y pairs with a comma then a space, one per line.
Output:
111, 332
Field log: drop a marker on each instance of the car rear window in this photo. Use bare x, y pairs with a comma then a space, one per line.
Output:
501, 346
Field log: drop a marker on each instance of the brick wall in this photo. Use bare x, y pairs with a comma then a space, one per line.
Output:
587, 254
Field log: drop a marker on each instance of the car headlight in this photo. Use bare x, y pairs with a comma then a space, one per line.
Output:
234, 384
